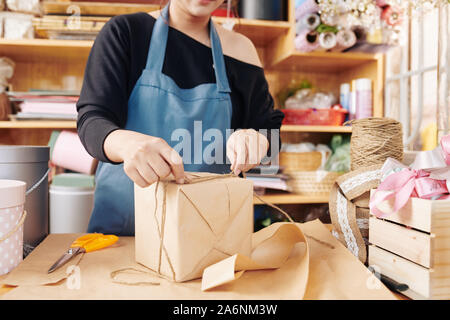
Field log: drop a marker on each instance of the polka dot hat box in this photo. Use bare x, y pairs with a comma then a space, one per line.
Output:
12, 199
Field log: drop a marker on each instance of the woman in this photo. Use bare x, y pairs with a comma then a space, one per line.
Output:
158, 97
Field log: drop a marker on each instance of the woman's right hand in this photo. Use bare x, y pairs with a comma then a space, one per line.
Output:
146, 159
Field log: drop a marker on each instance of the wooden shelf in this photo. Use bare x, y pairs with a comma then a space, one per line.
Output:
51, 124
261, 32
291, 198
38, 124
326, 129
48, 49
97, 8
45, 50
322, 61
39, 50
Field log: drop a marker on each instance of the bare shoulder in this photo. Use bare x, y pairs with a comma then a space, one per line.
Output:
238, 46
155, 14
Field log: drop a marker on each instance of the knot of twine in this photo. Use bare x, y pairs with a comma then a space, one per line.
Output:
374, 140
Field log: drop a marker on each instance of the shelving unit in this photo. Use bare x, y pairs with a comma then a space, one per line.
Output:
38, 124
291, 199
59, 65
96, 9
323, 61
260, 32
45, 50
317, 129
50, 124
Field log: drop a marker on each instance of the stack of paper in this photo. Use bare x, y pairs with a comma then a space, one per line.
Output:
268, 178
45, 105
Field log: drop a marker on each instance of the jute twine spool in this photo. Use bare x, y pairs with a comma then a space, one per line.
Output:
374, 140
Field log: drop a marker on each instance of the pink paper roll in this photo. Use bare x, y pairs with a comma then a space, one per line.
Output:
309, 22
345, 39
307, 41
69, 153
308, 6
327, 41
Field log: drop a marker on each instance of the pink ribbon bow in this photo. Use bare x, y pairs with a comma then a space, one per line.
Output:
445, 146
416, 182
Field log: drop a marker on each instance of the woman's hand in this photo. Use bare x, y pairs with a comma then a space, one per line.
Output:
245, 149
146, 159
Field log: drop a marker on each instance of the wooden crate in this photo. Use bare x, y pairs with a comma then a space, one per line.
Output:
412, 246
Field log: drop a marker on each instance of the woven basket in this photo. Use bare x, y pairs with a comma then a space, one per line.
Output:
312, 182
300, 161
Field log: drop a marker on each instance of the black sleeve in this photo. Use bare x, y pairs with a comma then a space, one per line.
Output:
102, 106
260, 112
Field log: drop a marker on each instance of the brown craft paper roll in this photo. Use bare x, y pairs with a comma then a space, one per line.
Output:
326, 273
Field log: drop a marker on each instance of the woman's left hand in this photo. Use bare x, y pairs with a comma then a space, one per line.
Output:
245, 149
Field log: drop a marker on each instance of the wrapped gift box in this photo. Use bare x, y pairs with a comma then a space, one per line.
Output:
411, 246
182, 229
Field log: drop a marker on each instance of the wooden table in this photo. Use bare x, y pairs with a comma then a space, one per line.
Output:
4, 289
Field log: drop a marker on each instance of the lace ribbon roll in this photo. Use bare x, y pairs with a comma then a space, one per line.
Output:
309, 22
345, 39
307, 41
327, 40
307, 6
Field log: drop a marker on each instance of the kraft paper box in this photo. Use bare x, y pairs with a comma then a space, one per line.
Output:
182, 229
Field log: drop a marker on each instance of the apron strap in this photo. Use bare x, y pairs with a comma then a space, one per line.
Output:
219, 62
157, 49
158, 44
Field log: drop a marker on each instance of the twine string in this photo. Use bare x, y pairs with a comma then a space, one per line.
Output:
326, 244
194, 179
161, 232
374, 140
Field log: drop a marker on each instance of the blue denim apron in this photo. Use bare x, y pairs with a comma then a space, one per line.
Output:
158, 107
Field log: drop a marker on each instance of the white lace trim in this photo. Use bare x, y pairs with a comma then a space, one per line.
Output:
335, 234
358, 180
349, 237
363, 223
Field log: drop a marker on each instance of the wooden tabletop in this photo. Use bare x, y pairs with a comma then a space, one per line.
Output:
4, 289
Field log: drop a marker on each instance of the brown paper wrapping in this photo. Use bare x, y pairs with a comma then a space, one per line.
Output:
329, 272
182, 229
271, 248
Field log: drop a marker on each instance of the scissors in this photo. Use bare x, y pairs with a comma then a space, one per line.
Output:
86, 243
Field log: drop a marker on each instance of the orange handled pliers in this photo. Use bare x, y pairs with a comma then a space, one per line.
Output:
86, 243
